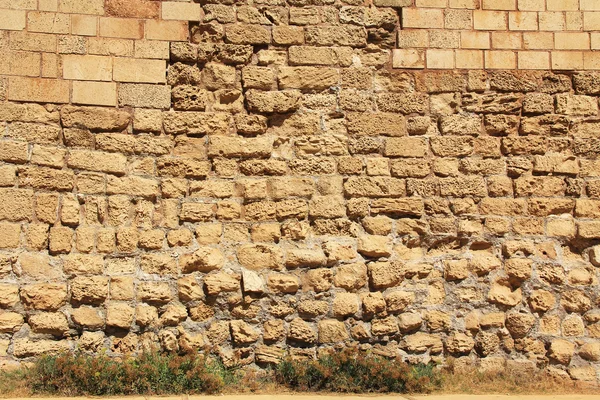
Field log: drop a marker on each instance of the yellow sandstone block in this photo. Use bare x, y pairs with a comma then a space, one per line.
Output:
166, 30
422, 18
47, 22
87, 68
408, 58
506, 5
489, 20
139, 70
38, 90
181, 11
469, 59
572, 41
567, 60
82, 6
126, 28
12, 20
440, 59
84, 25
562, 5
534, 60
500, 59
474, 40
95, 93
531, 5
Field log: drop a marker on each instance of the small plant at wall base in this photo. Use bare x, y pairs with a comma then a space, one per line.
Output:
351, 371
149, 374
163, 374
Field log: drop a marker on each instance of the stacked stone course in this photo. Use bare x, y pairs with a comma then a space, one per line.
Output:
259, 178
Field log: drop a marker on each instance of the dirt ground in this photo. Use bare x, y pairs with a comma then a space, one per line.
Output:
345, 396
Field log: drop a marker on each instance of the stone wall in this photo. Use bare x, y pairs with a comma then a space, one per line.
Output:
266, 177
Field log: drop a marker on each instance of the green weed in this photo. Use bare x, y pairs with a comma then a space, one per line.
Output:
354, 371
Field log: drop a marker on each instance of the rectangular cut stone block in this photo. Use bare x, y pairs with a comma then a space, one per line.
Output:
591, 21
147, 9
139, 70
595, 41
84, 25
121, 28
440, 59
13, 20
33, 42
89, 68
506, 40
567, 60
181, 11
16, 204
591, 61
422, 18
408, 58
19, 4
97, 161
393, 3
405, 147
468, 4
95, 93
552, 21
573, 21
411, 38
523, 21
308, 77
531, 5
490, 20
20, 63
475, 40
38, 90
48, 22
82, 6
166, 30
538, 40
589, 5
499, 5
500, 60
534, 60
110, 47
469, 59
313, 55
562, 5
153, 49
572, 40
431, 3
47, 5
144, 95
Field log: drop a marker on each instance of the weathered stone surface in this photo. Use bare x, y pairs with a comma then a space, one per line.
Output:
94, 118
332, 331
47, 297
205, 259
220, 282
301, 331
196, 123
10, 322
273, 102
269, 178
29, 348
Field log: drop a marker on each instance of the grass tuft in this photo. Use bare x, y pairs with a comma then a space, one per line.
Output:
357, 372
148, 374
346, 371
168, 374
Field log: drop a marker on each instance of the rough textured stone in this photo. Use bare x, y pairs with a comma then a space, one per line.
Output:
270, 178
94, 118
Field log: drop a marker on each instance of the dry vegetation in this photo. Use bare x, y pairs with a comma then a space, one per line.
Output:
343, 372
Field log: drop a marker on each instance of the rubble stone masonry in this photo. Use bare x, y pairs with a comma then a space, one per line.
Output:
419, 178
